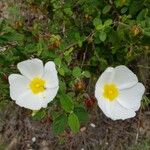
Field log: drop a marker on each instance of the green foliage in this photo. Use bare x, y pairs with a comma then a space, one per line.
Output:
76, 72
145, 102
39, 115
86, 74
73, 122
59, 124
66, 103
81, 114
102, 36
106, 9
82, 37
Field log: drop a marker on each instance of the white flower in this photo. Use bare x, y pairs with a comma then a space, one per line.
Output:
119, 93
37, 86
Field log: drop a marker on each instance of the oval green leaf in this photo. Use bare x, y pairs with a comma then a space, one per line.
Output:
73, 122
66, 103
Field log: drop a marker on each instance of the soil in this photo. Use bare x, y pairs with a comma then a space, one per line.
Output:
19, 132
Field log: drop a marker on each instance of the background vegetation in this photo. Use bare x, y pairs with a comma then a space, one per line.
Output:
83, 38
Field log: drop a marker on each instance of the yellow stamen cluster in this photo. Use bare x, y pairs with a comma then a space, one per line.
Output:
111, 91
37, 85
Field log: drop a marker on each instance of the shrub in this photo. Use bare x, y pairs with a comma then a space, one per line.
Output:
82, 37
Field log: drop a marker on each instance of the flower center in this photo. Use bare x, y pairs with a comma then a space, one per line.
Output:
37, 85
111, 91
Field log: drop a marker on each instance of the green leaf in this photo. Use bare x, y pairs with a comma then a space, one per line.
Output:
80, 43
124, 10
69, 51
82, 114
68, 11
66, 103
145, 102
62, 86
76, 72
79, 39
57, 61
39, 47
39, 115
102, 36
77, 36
86, 74
142, 15
68, 58
12, 37
61, 71
108, 22
103, 63
74, 123
106, 9
59, 124
119, 3
135, 6
146, 31
97, 23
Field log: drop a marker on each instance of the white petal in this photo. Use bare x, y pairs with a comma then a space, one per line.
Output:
18, 85
103, 104
131, 97
124, 77
119, 112
106, 77
37, 101
30, 100
49, 95
50, 75
31, 68
114, 110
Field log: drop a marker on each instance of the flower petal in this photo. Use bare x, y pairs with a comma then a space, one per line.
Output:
18, 85
124, 77
103, 104
105, 77
119, 112
37, 101
114, 110
31, 68
49, 95
30, 100
50, 75
131, 97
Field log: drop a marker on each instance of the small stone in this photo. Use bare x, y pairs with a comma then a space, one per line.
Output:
33, 139
83, 129
92, 125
